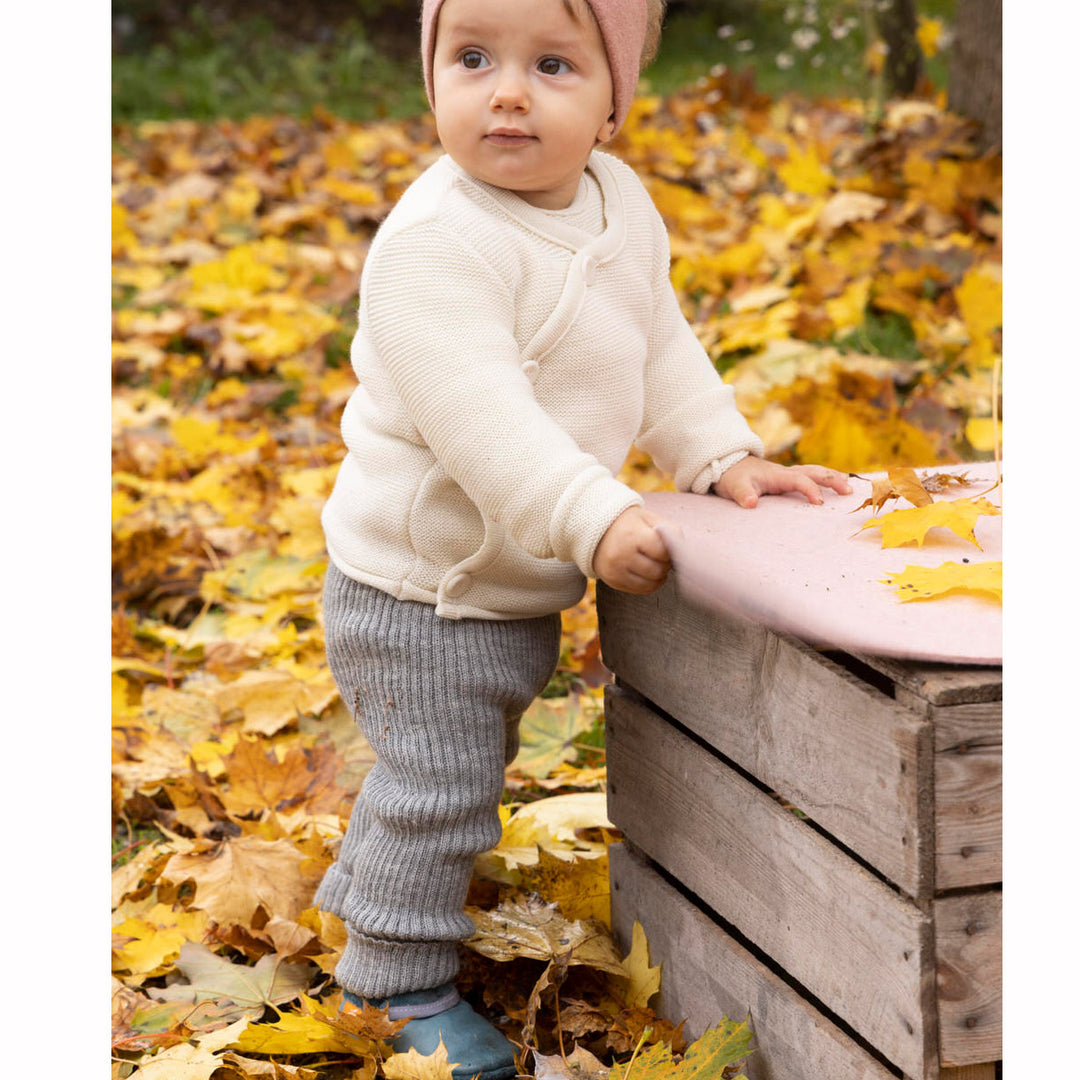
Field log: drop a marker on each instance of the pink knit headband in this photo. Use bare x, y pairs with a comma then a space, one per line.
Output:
622, 26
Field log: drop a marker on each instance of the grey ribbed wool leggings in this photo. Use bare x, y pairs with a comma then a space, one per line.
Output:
439, 701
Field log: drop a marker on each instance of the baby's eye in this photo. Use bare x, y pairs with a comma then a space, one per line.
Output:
552, 65
472, 59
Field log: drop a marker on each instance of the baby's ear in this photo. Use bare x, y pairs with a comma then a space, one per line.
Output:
607, 129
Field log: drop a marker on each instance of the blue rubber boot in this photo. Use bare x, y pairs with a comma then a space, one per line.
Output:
476, 1047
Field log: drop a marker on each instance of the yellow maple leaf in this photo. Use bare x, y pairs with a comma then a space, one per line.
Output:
247, 267
929, 35
979, 431
201, 439
718, 1052
750, 329
150, 951
123, 239
351, 191
910, 526
416, 1066
241, 198
644, 980
979, 298
848, 310
555, 823
803, 171
295, 1034
928, 582
580, 888
854, 435
933, 180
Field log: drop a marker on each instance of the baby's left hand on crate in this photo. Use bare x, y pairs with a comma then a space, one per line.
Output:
752, 477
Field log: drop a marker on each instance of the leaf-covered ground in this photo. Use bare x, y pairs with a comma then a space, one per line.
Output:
846, 278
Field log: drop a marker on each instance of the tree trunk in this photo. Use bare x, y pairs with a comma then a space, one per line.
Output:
975, 69
903, 65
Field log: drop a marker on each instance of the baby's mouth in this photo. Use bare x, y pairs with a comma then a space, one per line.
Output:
509, 137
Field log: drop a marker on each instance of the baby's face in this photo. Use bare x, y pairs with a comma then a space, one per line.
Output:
522, 94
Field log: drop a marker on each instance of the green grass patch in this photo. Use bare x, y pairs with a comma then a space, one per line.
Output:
128, 841
883, 333
203, 70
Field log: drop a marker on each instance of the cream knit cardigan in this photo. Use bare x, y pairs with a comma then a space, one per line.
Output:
507, 361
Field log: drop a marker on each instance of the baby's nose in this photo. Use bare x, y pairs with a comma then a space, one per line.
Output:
510, 92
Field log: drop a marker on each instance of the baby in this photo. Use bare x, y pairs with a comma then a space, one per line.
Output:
517, 334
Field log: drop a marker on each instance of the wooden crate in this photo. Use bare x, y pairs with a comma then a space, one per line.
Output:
861, 931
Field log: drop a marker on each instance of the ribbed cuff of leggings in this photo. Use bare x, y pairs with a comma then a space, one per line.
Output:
377, 968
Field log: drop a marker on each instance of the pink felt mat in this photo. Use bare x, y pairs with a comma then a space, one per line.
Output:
808, 571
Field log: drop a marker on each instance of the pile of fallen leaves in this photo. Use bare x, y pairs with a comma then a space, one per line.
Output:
236, 251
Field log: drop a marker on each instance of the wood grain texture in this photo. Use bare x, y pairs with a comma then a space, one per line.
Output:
967, 791
984, 1071
848, 756
968, 934
857, 945
706, 975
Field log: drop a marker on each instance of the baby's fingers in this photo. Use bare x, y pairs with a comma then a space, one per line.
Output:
651, 543
830, 478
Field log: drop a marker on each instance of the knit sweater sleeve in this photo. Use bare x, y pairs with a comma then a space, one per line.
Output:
692, 427
441, 319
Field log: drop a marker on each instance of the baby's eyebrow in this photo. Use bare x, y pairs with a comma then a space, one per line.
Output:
559, 45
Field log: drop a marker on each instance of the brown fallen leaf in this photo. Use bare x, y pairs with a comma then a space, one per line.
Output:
577, 1065
906, 484
259, 780
258, 1069
237, 877
901, 482
942, 481
185, 1061
881, 491
531, 927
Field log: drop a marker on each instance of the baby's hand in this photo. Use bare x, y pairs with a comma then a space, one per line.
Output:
631, 555
754, 476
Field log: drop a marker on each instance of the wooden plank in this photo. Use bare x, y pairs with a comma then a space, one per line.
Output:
968, 936
968, 790
857, 945
984, 1071
706, 974
967, 785
959, 726
939, 684
846, 755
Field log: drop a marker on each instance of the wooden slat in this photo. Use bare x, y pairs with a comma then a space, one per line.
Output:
854, 943
968, 818
968, 934
967, 786
706, 974
841, 751
984, 1071
940, 684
